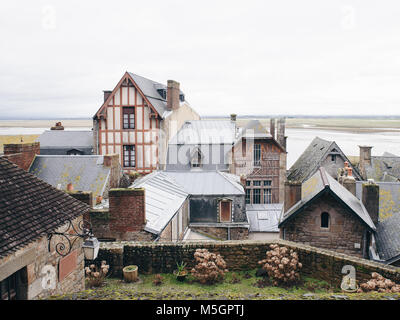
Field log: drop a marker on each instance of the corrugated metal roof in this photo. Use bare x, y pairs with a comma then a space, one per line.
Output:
66, 139
163, 199
207, 182
205, 132
264, 217
320, 181
86, 173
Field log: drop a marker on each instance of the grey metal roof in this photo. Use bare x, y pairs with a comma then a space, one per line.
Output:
149, 89
389, 197
388, 238
86, 173
311, 159
163, 199
321, 181
207, 182
264, 217
74, 139
205, 132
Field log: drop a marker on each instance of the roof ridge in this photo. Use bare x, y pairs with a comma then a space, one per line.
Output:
233, 183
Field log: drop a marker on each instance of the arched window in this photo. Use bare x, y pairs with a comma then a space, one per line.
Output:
325, 220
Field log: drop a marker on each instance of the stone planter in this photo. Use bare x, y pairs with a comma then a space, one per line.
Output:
130, 273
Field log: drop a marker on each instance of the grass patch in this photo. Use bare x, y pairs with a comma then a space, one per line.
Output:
236, 286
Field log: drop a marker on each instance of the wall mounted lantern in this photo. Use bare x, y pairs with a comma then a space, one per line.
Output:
65, 240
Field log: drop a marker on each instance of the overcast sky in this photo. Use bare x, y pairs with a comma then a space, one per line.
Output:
244, 57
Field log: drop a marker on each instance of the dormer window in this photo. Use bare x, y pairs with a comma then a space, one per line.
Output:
162, 93
196, 159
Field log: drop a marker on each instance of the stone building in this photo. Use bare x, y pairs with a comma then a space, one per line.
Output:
323, 213
320, 153
137, 119
31, 210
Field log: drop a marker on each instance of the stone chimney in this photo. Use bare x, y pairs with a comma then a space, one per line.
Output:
22, 154
370, 199
272, 127
172, 95
58, 126
292, 194
127, 210
233, 117
107, 93
348, 181
112, 161
365, 160
281, 132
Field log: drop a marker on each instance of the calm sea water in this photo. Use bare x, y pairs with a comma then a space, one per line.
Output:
298, 140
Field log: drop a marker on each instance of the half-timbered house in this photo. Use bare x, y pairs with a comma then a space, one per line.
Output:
137, 119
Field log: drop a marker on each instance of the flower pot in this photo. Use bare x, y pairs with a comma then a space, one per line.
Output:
130, 273
181, 276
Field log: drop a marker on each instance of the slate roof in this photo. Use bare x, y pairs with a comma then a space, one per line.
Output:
264, 217
388, 238
384, 168
311, 159
30, 208
149, 89
255, 129
389, 197
163, 199
321, 182
86, 173
207, 182
73, 139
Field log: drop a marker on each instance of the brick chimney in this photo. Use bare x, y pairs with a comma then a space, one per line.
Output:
22, 154
127, 210
107, 93
172, 95
281, 132
365, 160
233, 117
292, 194
58, 126
370, 199
272, 127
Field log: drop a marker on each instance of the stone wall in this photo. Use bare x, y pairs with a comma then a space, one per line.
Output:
320, 264
345, 229
39, 268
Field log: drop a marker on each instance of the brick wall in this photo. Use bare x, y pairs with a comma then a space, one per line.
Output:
125, 218
320, 264
22, 154
345, 229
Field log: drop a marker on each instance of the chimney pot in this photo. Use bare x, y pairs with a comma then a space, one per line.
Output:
233, 117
